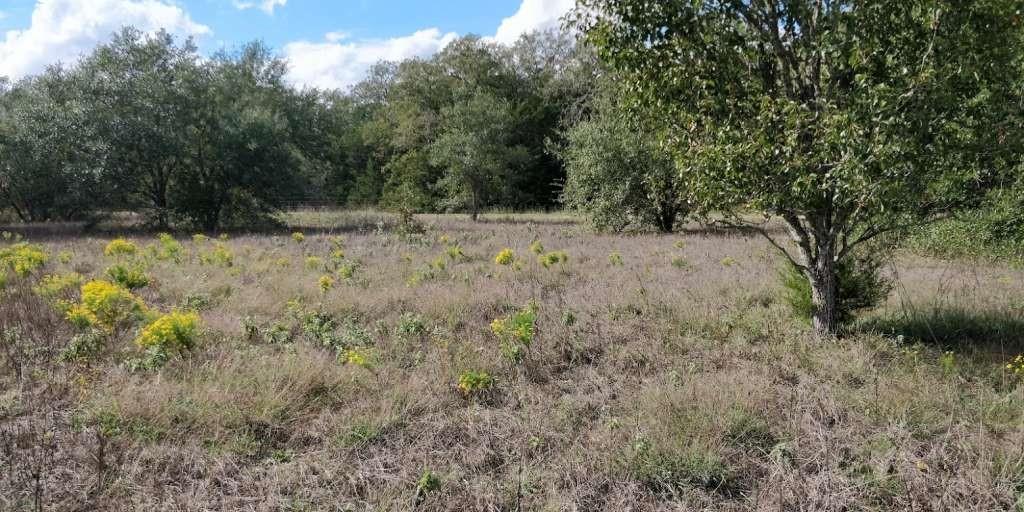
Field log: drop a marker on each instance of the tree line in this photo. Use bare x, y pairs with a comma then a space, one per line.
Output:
146, 124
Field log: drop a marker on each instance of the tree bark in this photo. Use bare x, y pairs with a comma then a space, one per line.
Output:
824, 296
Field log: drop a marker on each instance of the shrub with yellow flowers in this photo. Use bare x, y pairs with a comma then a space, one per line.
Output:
170, 249
175, 331
105, 305
53, 287
1016, 367
131, 277
23, 258
314, 262
357, 357
119, 247
221, 255
537, 248
516, 332
473, 383
506, 257
326, 283
298, 237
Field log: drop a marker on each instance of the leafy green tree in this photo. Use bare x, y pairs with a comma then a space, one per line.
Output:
619, 176
475, 152
242, 162
142, 101
844, 119
50, 161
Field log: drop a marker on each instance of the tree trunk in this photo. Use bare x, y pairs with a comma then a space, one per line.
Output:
666, 219
825, 296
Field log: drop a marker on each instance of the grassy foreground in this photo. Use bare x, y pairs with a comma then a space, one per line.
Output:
358, 368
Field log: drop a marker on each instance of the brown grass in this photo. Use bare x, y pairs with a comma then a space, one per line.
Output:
649, 386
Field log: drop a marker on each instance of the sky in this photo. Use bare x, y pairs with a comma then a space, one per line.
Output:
328, 43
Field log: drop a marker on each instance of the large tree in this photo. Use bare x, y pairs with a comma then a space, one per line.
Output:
846, 119
476, 151
618, 174
50, 160
142, 100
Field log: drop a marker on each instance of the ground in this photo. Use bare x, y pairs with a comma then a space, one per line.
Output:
359, 367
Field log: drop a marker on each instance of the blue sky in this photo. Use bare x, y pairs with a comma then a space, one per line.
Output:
329, 43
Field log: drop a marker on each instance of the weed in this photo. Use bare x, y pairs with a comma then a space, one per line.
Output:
516, 332
473, 383
23, 258
505, 258
119, 247
129, 277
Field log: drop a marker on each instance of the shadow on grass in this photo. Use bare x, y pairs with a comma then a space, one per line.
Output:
952, 327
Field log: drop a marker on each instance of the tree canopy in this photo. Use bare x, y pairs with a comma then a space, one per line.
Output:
845, 119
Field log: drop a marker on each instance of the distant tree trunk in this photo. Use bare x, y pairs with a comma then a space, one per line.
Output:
474, 206
667, 215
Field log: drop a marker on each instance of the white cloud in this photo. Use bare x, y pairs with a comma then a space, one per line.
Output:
266, 6
63, 30
532, 15
335, 37
338, 65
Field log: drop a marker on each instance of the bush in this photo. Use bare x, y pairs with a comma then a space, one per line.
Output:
23, 258
52, 287
172, 332
516, 332
131, 278
170, 249
506, 257
105, 305
472, 383
120, 247
861, 283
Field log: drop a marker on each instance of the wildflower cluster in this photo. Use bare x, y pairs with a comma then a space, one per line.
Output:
169, 249
22, 258
1016, 366
537, 248
326, 282
129, 277
120, 247
51, 287
220, 255
172, 332
475, 382
105, 305
298, 237
505, 258
516, 332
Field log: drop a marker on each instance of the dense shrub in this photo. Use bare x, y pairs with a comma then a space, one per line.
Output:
172, 332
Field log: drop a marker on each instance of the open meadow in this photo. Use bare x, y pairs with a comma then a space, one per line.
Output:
353, 362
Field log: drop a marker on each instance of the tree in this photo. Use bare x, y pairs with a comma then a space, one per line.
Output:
142, 100
475, 152
242, 162
50, 160
619, 176
844, 119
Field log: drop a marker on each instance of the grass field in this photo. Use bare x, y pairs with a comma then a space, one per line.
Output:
359, 367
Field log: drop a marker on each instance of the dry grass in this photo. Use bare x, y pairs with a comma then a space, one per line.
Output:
674, 381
